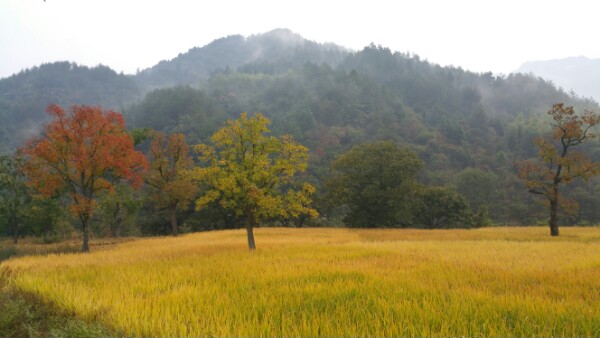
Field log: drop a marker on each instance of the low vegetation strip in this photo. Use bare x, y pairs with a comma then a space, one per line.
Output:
331, 282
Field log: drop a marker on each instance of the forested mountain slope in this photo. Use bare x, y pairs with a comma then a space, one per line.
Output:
467, 127
279, 47
25, 96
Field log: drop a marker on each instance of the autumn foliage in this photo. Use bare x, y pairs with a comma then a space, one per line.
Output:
250, 173
81, 152
170, 188
558, 162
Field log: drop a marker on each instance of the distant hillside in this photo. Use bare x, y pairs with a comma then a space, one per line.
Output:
25, 96
279, 47
465, 126
580, 74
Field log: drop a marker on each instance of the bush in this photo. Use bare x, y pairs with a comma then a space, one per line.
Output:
441, 207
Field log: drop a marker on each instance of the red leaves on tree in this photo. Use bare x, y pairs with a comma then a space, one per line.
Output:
82, 151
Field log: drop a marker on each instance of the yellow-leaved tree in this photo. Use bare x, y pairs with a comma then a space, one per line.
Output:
249, 173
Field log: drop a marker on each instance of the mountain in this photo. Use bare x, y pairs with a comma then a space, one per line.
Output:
280, 47
460, 123
25, 96
579, 74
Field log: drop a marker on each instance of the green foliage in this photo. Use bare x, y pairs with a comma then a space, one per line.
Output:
177, 110
479, 187
25, 96
376, 181
15, 196
118, 212
441, 207
328, 98
482, 217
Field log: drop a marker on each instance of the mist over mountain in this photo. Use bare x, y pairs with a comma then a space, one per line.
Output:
579, 74
462, 125
25, 96
279, 47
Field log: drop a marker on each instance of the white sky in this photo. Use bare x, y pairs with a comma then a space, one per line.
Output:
484, 35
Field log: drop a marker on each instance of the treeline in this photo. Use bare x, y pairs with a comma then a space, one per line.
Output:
85, 162
466, 137
468, 129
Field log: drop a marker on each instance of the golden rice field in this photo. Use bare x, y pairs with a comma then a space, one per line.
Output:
331, 282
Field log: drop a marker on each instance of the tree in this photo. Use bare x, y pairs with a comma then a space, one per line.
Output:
377, 183
118, 211
478, 187
170, 188
248, 172
14, 194
559, 163
441, 207
82, 152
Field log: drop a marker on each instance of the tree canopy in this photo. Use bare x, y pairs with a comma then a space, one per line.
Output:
170, 188
558, 163
81, 152
249, 172
376, 181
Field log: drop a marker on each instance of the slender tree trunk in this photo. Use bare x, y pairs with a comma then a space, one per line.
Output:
86, 236
554, 212
174, 225
15, 228
116, 228
250, 232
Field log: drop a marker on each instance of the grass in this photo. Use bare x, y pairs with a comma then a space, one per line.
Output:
36, 246
26, 315
330, 282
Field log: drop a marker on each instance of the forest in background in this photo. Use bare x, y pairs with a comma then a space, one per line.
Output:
468, 128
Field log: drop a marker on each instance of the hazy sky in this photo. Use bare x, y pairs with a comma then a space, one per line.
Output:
484, 35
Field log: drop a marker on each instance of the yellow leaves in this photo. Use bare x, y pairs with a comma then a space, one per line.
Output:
297, 203
209, 197
245, 170
205, 153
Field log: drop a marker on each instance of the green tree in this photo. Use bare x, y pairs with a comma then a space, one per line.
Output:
248, 172
118, 211
441, 207
14, 194
376, 181
478, 187
558, 162
170, 188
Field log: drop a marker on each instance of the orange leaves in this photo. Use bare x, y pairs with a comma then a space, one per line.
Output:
558, 162
169, 162
79, 151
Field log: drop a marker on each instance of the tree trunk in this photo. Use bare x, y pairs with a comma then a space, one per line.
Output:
553, 213
174, 225
86, 237
117, 221
250, 232
15, 227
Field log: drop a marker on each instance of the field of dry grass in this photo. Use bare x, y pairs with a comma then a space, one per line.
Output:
332, 282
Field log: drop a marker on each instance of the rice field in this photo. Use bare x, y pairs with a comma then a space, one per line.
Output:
331, 282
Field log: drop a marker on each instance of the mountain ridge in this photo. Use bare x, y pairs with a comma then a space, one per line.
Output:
579, 74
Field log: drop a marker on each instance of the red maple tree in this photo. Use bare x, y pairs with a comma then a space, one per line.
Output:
82, 152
